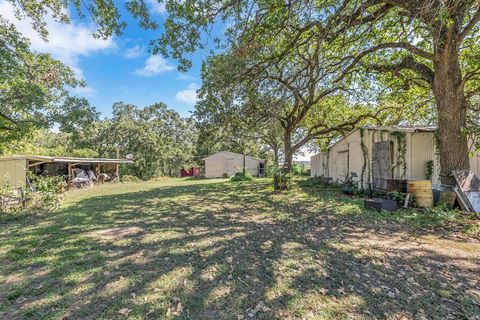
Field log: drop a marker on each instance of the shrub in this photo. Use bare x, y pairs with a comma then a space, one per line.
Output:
240, 176
439, 215
129, 178
48, 192
47, 195
55, 184
296, 169
400, 197
281, 180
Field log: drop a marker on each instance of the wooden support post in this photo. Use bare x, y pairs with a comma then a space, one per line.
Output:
97, 169
117, 171
69, 169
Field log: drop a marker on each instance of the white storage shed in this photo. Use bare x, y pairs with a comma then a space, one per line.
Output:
377, 154
226, 164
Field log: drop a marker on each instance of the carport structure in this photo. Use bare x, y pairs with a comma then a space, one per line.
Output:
13, 170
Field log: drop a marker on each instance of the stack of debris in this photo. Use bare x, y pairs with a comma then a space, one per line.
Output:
467, 190
83, 178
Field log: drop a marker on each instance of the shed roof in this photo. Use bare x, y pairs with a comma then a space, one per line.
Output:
405, 128
67, 159
232, 154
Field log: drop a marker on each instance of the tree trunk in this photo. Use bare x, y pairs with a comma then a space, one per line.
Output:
275, 155
287, 143
244, 171
450, 99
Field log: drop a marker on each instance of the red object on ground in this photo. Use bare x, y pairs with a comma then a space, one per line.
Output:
191, 172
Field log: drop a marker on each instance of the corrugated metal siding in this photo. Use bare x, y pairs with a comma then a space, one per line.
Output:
215, 167
314, 160
345, 157
475, 163
13, 172
355, 155
228, 164
319, 165
420, 147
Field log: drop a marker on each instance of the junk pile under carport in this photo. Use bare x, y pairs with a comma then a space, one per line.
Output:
83, 178
78, 172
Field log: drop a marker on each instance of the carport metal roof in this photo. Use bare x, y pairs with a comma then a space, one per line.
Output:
67, 159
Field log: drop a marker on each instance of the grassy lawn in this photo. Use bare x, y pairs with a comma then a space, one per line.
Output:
214, 249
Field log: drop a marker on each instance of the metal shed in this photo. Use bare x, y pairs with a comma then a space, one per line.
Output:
13, 169
226, 164
376, 154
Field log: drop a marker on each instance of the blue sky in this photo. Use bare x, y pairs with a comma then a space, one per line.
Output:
120, 68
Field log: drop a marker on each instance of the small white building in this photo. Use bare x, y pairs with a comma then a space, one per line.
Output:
377, 154
226, 164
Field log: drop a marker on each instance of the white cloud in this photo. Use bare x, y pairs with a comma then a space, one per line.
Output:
188, 95
84, 91
185, 76
66, 42
156, 7
133, 52
153, 66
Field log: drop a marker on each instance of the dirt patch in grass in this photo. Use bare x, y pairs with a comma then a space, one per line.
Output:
114, 234
223, 250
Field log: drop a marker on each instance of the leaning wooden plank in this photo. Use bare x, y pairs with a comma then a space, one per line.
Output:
469, 185
467, 180
407, 200
461, 199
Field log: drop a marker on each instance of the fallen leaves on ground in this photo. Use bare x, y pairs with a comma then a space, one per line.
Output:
124, 311
261, 307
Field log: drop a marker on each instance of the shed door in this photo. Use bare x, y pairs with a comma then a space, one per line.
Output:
382, 164
342, 165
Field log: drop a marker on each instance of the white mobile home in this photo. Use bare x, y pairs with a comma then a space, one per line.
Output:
226, 164
377, 154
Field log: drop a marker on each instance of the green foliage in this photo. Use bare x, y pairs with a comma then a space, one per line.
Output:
401, 150
47, 195
439, 215
76, 116
400, 197
32, 86
129, 178
53, 184
429, 169
296, 169
160, 140
105, 14
281, 180
240, 176
365, 160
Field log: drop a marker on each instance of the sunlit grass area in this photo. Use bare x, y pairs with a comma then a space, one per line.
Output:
215, 249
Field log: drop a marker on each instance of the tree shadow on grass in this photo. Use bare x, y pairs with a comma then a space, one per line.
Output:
219, 250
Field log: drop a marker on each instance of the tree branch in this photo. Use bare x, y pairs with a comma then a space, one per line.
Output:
409, 63
470, 25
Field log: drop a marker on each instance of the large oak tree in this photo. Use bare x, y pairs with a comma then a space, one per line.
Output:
432, 43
